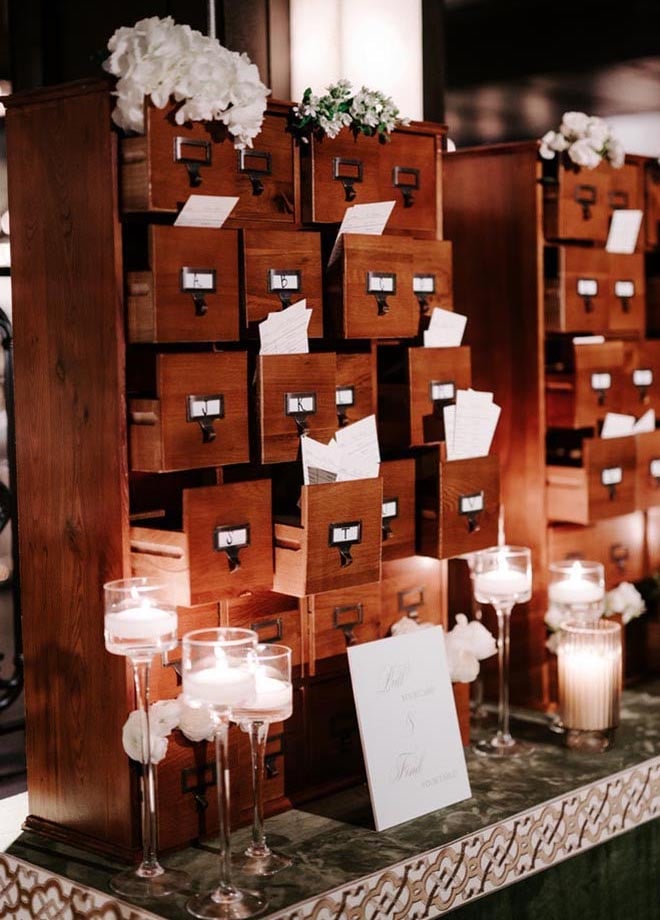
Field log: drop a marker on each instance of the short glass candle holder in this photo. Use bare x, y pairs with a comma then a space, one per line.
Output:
576, 589
589, 665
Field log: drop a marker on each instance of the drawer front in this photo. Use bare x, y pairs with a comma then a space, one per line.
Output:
434, 376
282, 745
280, 268
187, 798
200, 419
275, 618
610, 468
297, 396
411, 587
582, 204
356, 387
348, 616
583, 395
398, 525
627, 191
584, 290
337, 173
377, 288
171, 162
335, 752
433, 274
190, 293
617, 542
469, 505
410, 172
626, 293
647, 470
229, 529
641, 385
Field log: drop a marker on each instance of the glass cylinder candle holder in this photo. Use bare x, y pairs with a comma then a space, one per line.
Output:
576, 588
589, 665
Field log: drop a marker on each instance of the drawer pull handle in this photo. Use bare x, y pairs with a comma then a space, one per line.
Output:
344, 399
255, 164
197, 282
270, 766
642, 378
625, 291
176, 663
198, 779
344, 536
654, 470
410, 600
585, 195
600, 383
205, 410
185, 151
276, 749
381, 285
611, 477
231, 539
423, 286
619, 554
348, 626
298, 406
587, 289
471, 506
284, 282
389, 513
348, 172
617, 199
266, 625
406, 179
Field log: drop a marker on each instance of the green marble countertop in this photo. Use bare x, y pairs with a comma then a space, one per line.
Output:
333, 842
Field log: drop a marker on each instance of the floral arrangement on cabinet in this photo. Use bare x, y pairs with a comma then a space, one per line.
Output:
160, 60
586, 140
466, 644
367, 112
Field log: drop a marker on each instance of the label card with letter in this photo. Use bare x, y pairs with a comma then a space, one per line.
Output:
409, 729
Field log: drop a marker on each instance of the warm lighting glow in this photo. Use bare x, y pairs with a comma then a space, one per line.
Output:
376, 43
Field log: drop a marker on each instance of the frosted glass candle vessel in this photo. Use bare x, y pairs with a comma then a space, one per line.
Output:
589, 672
576, 588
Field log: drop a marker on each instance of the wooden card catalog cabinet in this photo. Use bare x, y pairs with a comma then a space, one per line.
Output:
198, 416
641, 380
370, 288
280, 268
339, 172
458, 504
161, 168
337, 619
296, 396
583, 381
337, 541
603, 485
626, 293
276, 619
224, 548
433, 274
398, 508
647, 472
187, 800
576, 289
414, 386
652, 199
190, 292
617, 542
355, 386
412, 587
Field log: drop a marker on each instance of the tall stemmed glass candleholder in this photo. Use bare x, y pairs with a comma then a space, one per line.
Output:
219, 674
273, 703
502, 576
139, 623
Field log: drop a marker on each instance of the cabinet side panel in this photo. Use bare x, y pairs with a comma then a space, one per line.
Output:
71, 455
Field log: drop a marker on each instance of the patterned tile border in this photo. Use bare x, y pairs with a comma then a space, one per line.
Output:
426, 886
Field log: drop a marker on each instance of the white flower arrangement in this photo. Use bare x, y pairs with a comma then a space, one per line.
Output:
468, 643
368, 112
162, 60
196, 723
626, 600
587, 140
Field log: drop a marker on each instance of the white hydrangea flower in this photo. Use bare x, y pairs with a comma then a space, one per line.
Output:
407, 624
132, 736
463, 664
587, 139
615, 152
554, 617
196, 722
583, 154
552, 643
626, 600
574, 124
474, 637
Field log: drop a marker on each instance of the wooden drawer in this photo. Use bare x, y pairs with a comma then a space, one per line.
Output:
281, 267
336, 543
652, 524
161, 168
412, 587
433, 274
370, 288
626, 292
190, 291
187, 800
459, 504
414, 386
576, 289
398, 526
647, 472
346, 170
166, 668
275, 618
223, 549
198, 416
356, 386
652, 211
337, 619
617, 542
627, 191
583, 382
333, 737
297, 396
641, 382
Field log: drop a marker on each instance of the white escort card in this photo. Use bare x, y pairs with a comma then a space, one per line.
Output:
445, 329
470, 424
284, 332
624, 230
205, 211
362, 218
353, 453
618, 425
409, 729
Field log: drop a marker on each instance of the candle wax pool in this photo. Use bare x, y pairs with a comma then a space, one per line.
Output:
501, 584
140, 623
220, 685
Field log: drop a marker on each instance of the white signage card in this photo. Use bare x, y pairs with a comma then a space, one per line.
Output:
408, 725
624, 230
445, 329
205, 211
362, 218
